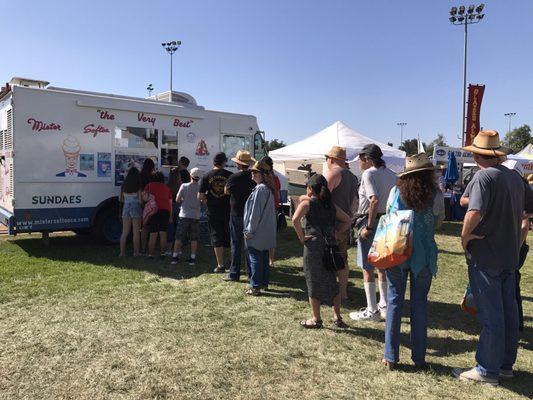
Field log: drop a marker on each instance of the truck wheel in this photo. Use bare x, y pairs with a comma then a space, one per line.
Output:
107, 226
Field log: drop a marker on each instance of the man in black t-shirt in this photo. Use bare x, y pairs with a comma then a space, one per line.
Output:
218, 207
239, 187
183, 164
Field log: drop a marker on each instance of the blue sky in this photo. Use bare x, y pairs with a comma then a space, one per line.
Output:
297, 65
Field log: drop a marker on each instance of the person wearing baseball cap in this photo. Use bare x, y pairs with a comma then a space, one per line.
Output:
376, 183
189, 217
491, 240
343, 187
218, 207
238, 187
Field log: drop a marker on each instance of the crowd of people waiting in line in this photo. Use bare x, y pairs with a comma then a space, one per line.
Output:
242, 214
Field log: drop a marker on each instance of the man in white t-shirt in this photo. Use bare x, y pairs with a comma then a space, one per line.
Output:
376, 183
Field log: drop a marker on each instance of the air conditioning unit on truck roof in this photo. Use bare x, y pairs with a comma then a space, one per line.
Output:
64, 153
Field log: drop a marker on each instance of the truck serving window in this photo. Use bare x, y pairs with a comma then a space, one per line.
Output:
136, 138
231, 144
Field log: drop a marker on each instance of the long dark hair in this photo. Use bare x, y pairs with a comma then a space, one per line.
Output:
132, 182
147, 171
319, 186
417, 189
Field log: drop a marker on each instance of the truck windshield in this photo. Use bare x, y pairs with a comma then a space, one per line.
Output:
136, 138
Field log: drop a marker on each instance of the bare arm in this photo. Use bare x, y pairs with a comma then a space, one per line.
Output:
301, 211
372, 213
471, 221
344, 219
202, 198
524, 230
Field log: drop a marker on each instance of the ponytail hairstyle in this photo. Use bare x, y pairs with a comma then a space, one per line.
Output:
319, 186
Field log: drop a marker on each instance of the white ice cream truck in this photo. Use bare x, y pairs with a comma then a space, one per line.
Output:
64, 153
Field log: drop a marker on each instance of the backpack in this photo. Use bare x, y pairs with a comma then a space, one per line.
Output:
393, 242
150, 208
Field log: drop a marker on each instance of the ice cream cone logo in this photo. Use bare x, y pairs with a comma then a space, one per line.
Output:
71, 150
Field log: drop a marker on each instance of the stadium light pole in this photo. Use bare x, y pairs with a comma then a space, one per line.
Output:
463, 16
510, 116
171, 48
401, 125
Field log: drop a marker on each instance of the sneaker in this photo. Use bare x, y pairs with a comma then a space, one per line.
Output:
506, 373
228, 278
219, 270
365, 315
473, 375
175, 260
382, 312
191, 261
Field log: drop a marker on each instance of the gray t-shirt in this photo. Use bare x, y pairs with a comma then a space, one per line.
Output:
376, 182
188, 197
501, 196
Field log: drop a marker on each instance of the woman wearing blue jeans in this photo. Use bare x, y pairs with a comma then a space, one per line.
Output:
260, 227
418, 191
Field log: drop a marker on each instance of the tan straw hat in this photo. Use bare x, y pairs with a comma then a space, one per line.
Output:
243, 157
418, 162
487, 143
337, 152
261, 166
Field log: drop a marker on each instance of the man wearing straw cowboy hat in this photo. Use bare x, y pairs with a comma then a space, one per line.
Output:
491, 241
239, 186
343, 187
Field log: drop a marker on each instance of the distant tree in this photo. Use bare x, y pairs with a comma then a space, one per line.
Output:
518, 138
438, 141
274, 144
390, 144
410, 146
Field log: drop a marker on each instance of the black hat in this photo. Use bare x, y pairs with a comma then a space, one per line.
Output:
372, 151
220, 158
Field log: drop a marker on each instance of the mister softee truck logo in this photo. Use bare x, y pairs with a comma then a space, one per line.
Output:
40, 126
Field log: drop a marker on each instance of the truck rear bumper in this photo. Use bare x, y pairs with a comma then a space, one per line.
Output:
8, 219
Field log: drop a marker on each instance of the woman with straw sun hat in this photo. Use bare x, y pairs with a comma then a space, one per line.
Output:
417, 191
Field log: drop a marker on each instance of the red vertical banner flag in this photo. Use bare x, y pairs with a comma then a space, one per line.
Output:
475, 96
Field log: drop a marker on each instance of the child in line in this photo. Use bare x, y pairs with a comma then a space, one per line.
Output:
188, 224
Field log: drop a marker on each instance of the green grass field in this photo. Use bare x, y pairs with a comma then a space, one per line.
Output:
77, 322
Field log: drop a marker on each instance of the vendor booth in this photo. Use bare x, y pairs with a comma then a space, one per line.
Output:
310, 151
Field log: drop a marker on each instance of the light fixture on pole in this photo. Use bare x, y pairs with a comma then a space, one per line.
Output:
150, 88
171, 48
510, 116
401, 125
463, 16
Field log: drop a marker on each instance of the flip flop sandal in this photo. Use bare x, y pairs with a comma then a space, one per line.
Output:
316, 325
388, 364
339, 323
253, 292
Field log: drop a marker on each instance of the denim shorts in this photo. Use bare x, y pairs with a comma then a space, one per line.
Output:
363, 247
131, 208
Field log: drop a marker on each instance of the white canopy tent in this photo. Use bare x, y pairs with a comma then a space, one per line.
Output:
312, 149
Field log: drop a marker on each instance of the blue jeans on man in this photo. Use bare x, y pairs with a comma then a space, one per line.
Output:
236, 226
497, 312
258, 267
419, 287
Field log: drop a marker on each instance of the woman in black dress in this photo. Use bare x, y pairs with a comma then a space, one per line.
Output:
319, 215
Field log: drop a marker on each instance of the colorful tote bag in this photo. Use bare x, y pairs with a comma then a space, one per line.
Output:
393, 242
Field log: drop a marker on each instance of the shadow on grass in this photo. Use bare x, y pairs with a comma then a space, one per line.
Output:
450, 228
442, 347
